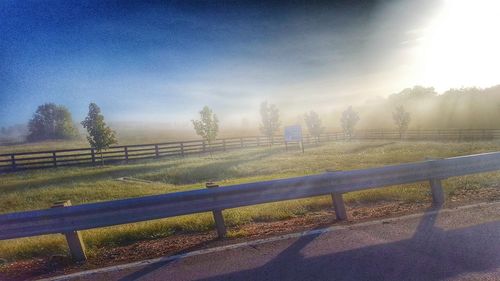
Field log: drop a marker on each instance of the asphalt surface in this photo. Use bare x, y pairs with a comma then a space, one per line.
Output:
461, 244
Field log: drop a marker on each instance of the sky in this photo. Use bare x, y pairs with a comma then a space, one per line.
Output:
162, 61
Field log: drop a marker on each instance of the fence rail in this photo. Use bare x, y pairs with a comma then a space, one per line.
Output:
125, 153
69, 220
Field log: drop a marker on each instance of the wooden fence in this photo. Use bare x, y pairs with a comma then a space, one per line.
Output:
123, 154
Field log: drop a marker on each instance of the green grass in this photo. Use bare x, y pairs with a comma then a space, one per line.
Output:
40, 188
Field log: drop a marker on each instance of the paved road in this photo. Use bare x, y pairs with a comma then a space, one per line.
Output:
460, 244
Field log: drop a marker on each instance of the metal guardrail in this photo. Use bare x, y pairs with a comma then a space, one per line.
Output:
125, 153
70, 219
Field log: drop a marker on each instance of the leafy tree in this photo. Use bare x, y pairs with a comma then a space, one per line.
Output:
349, 120
402, 119
208, 125
51, 121
100, 136
270, 120
417, 93
313, 123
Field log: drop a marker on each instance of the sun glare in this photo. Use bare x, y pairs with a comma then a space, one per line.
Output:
461, 46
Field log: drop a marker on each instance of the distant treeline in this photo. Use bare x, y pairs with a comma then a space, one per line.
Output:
465, 108
14, 133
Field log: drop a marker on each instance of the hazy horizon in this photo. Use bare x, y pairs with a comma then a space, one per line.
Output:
160, 63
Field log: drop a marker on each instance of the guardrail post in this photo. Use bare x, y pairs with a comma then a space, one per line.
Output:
13, 161
338, 205
182, 149
437, 192
436, 187
125, 149
92, 155
74, 238
218, 218
54, 159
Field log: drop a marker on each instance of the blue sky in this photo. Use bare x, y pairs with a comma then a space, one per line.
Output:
162, 61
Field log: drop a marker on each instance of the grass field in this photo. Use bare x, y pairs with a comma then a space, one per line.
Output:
39, 189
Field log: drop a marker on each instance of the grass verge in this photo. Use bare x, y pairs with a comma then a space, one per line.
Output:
39, 189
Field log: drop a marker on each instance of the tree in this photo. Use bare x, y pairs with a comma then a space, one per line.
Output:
349, 120
208, 126
100, 136
270, 120
51, 121
402, 119
313, 123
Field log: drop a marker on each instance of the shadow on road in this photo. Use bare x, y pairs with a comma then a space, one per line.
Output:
431, 254
152, 267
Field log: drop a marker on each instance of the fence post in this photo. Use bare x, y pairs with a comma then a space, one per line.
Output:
13, 161
241, 142
54, 159
258, 141
204, 147
223, 144
92, 155
338, 205
74, 238
157, 152
218, 218
125, 149
182, 149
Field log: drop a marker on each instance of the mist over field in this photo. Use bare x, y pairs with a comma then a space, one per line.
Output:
465, 108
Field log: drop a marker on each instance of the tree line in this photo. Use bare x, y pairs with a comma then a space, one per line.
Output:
53, 122
456, 108
207, 126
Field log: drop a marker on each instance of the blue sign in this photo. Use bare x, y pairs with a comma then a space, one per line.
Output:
293, 133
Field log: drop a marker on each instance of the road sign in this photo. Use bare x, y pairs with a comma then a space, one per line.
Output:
293, 133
